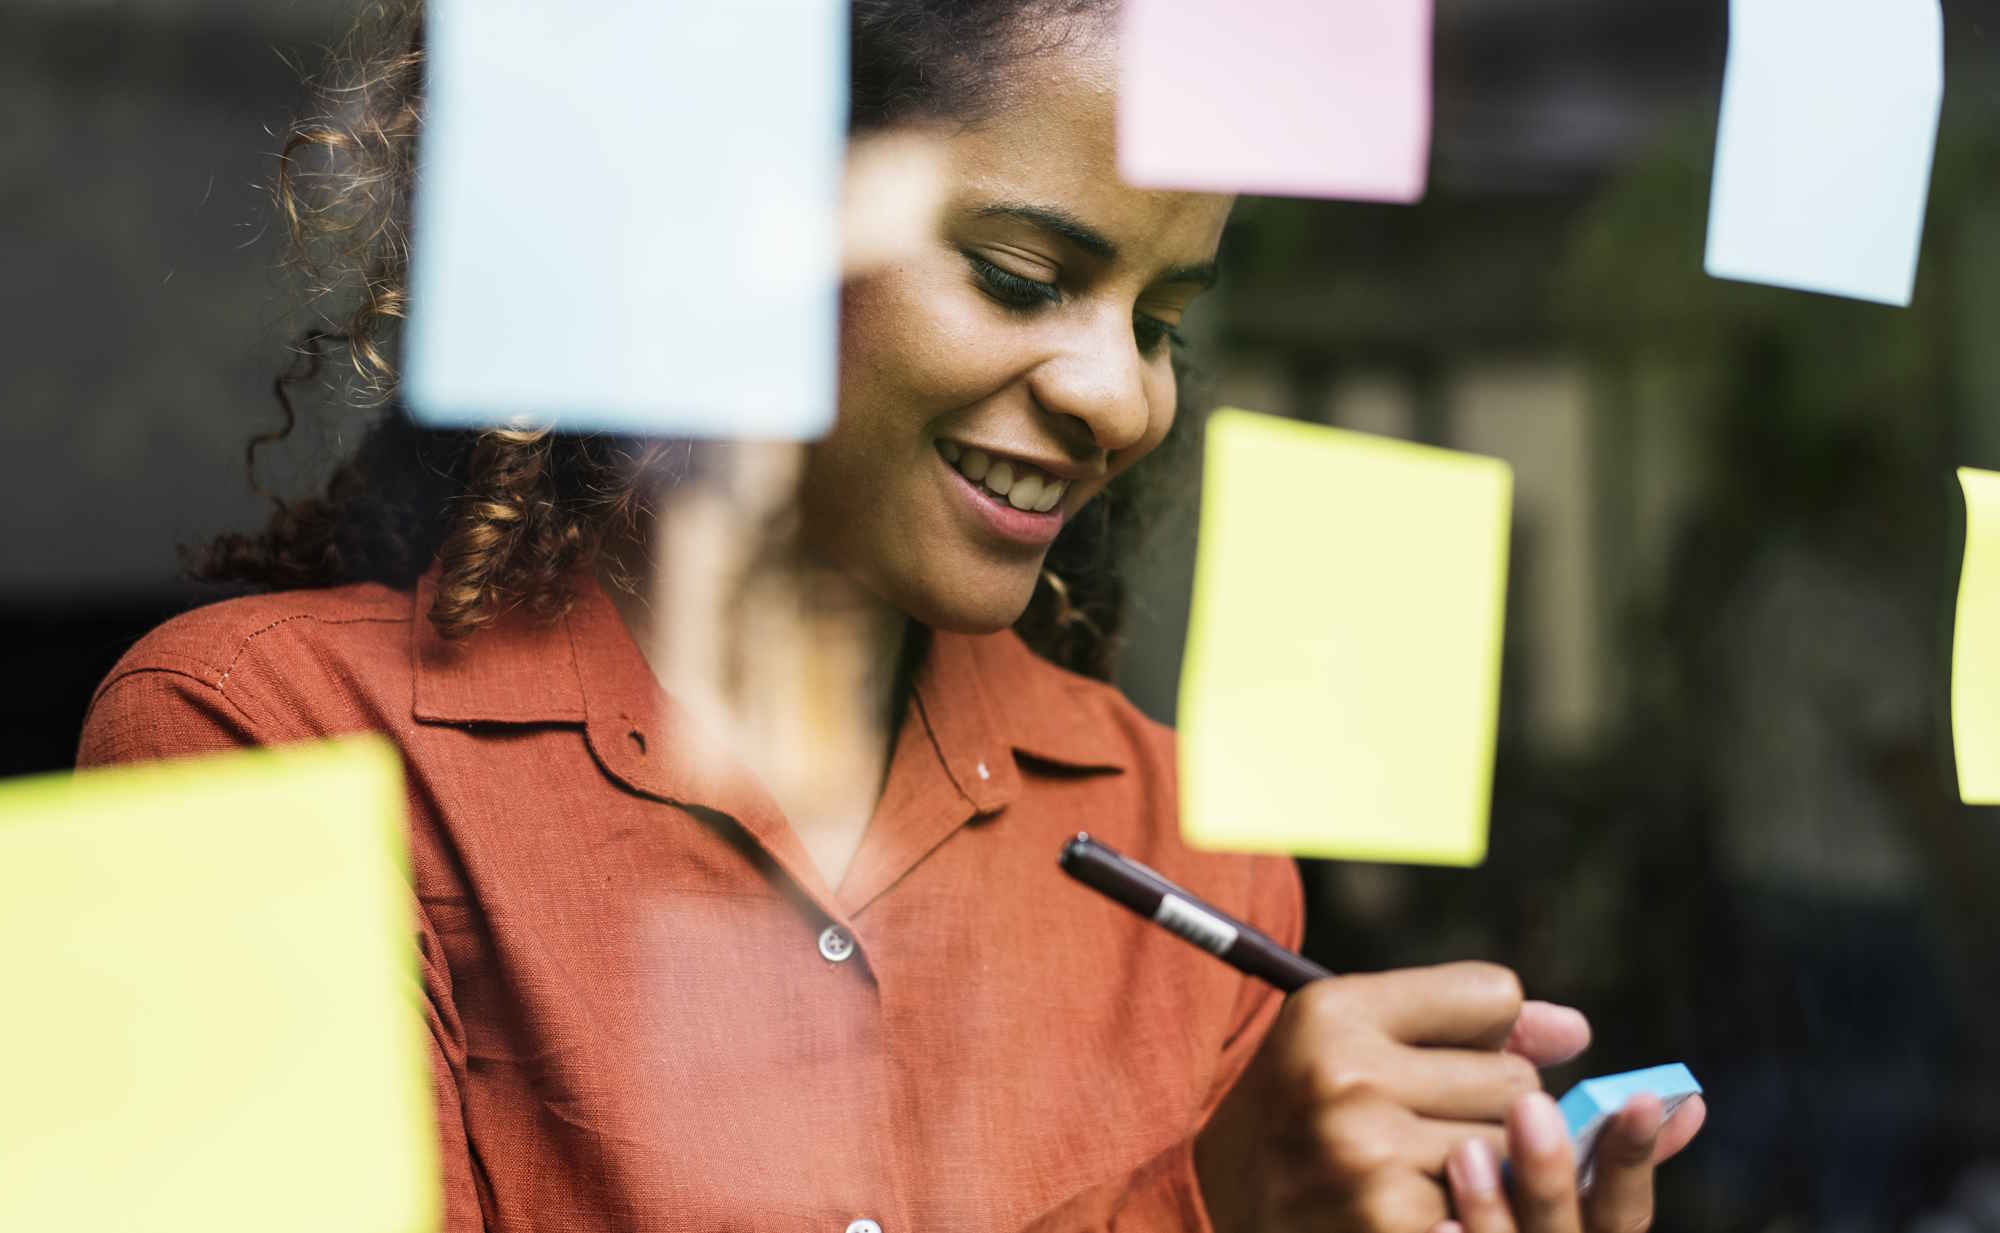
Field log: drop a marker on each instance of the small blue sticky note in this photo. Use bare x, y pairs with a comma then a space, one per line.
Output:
627, 217
1593, 1102
1823, 151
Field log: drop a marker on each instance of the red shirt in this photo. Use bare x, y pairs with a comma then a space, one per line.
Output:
649, 1012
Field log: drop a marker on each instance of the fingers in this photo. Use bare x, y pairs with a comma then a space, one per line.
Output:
1384, 1033
1547, 1034
1396, 1200
1462, 1084
1621, 1188
1476, 1195
1544, 1168
1681, 1128
1431, 1143
1364, 1133
1544, 1198
1450, 1004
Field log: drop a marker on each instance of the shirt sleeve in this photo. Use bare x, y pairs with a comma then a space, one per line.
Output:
145, 714
1163, 1195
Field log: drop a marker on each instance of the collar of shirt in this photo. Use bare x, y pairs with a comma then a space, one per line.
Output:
983, 700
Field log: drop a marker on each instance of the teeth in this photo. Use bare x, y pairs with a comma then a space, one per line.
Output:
1021, 486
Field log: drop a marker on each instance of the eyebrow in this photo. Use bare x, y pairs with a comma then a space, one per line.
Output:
1200, 275
1090, 240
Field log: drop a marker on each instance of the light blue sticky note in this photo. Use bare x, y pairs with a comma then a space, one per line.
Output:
1823, 152
1593, 1102
627, 216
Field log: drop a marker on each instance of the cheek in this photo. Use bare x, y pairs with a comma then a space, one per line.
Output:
913, 345
913, 351
870, 317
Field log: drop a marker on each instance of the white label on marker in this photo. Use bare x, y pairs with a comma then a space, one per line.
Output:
1204, 929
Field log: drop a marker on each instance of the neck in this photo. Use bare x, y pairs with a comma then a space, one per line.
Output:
791, 666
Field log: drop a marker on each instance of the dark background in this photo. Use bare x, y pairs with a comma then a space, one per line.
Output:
1725, 820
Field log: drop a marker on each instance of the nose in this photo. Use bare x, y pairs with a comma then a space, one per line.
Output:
1098, 380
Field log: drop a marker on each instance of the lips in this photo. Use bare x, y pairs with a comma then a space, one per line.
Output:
1022, 485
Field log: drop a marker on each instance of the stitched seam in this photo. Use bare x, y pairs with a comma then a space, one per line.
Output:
244, 647
104, 691
164, 669
158, 663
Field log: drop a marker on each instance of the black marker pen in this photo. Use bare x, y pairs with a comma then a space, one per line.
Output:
1241, 946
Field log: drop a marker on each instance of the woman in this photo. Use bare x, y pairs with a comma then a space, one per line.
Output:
675, 981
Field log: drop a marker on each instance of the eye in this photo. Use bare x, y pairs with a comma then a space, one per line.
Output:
1010, 288
1151, 332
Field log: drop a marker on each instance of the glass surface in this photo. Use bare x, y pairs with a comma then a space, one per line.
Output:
1725, 818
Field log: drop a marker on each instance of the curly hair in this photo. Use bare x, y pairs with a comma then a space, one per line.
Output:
509, 515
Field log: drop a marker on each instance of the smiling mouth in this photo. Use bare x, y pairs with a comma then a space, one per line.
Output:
1020, 485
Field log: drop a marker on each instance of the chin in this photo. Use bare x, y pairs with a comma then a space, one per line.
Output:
973, 606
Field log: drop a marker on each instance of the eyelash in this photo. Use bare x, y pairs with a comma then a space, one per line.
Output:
1027, 294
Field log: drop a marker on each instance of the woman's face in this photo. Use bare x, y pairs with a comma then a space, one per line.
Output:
1024, 349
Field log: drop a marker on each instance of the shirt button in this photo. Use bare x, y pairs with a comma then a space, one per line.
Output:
864, 1226
836, 947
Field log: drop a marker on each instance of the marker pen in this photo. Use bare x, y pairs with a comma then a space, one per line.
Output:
1237, 944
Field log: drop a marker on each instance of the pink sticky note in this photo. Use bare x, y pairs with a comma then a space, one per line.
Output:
1288, 98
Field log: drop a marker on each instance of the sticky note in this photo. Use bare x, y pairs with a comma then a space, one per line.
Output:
1590, 1104
1975, 650
214, 1018
627, 217
1823, 151
1340, 690
1295, 98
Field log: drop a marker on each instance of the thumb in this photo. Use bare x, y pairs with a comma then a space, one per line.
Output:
1547, 1034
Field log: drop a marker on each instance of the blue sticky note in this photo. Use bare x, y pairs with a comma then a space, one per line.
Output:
627, 217
1593, 1102
1823, 151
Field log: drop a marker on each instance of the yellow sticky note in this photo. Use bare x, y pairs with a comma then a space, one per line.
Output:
1340, 692
213, 1014
1975, 652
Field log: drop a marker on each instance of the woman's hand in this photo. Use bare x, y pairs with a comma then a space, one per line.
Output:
1545, 1198
1365, 1086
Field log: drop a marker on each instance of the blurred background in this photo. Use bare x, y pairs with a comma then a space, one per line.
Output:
1725, 817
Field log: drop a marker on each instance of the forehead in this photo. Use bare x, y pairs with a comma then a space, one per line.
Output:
1051, 139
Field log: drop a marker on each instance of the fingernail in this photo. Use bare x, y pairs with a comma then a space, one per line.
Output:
1472, 1168
1538, 1124
1642, 1117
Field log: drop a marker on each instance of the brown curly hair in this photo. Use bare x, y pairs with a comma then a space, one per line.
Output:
509, 515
